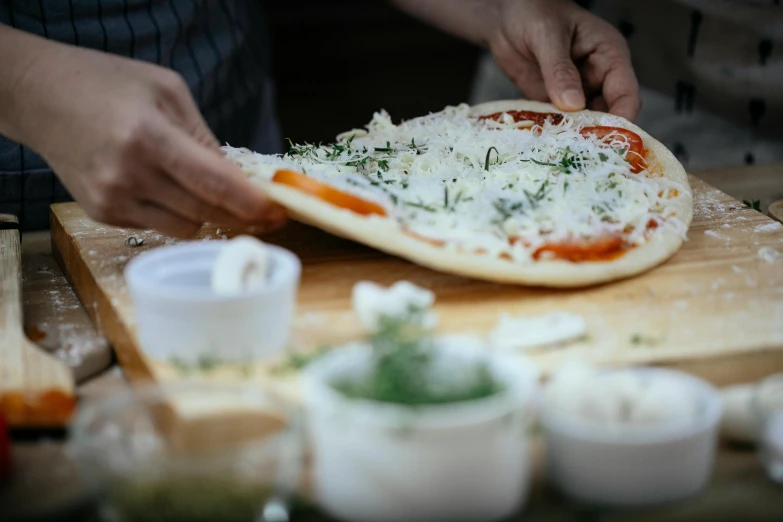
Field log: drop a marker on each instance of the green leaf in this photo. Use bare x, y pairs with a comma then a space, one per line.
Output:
486, 161
754, 204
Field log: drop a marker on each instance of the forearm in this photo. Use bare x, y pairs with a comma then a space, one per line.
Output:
21, 54
472, 20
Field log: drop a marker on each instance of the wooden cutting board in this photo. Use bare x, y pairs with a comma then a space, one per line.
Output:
36, 389
715, 309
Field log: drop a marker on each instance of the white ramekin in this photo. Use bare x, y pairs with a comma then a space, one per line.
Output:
178, 315
639, 465
384, 462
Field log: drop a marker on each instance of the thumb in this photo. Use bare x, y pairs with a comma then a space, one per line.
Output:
561, 77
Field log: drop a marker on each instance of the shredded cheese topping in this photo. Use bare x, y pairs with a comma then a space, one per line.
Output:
486, 186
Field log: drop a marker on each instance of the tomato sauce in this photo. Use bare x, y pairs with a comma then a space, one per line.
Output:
538, 118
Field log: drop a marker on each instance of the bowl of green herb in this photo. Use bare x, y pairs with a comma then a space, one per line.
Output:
189, 452
409, 426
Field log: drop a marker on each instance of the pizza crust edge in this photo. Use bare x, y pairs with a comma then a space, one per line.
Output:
383, 234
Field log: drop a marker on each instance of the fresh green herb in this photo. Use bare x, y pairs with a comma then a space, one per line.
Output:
602, 156
542, 163
301, 150
204, 498
207, 362
501, 205
388, 148
298, 360
415, 147
445, 197
755, 204
421, 206
639, 339
384, 164
489, 151
403, 355
568, 164
181, 366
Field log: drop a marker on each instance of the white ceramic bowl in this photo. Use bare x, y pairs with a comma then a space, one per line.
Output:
634, 465
390, 463
178, 315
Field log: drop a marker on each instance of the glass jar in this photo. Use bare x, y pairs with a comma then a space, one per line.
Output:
768, 406
191, 452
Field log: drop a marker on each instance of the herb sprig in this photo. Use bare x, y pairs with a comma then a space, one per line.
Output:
403, 352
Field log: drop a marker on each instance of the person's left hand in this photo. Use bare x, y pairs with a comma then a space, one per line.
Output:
556, 51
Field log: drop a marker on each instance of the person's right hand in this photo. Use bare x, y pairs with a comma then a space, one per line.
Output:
126, 139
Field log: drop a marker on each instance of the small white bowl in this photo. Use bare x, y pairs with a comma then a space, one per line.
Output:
384, 462
634, 465
179, 317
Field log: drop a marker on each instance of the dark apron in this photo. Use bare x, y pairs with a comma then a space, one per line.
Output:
220, 47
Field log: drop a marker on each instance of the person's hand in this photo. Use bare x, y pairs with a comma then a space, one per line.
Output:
555, 50
127, 140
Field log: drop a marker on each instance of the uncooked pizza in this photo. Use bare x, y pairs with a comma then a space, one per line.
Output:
512, 191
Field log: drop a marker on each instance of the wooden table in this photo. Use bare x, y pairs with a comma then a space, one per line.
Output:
46, 480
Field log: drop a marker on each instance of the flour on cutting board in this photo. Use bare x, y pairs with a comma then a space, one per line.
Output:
769, 227
538, 331
769, 254
712, 233
69, 341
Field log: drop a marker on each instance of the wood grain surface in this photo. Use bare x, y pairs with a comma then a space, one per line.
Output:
36, 389
715, 309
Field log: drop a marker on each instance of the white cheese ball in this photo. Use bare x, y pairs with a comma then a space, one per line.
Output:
619, 397
372, 301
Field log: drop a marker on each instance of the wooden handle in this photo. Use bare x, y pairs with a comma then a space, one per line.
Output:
776, 210
36, 389
10, 279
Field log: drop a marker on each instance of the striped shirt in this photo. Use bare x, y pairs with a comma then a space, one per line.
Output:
220, 47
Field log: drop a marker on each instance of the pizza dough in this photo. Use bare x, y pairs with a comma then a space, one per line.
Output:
386, 234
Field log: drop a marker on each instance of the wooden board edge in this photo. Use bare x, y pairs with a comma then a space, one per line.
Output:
96, 302
731, 369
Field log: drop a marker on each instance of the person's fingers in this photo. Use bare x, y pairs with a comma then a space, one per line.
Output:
561, 77
621, 90
609, 73
145, 215
208, 176
180, 108
524, 72
167, 193
598, 104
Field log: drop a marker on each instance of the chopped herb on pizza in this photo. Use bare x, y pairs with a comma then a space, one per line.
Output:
513, 192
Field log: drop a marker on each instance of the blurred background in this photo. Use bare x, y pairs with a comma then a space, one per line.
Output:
711, 71
338, 62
